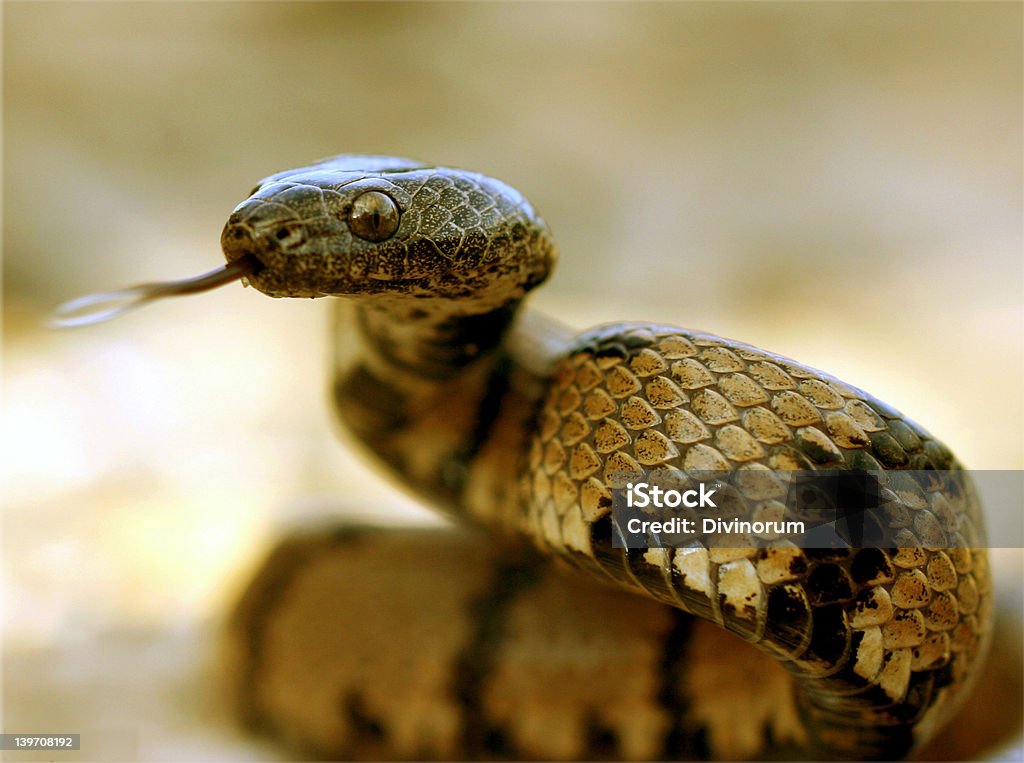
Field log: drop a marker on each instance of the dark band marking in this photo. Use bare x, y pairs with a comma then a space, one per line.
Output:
476, 663
259, 605
681, 742
368, 735
602, 743
380, 402
494, 395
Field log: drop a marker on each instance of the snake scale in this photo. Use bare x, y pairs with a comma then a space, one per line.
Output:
497, 641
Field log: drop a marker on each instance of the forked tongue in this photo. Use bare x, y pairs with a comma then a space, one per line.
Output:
96, 308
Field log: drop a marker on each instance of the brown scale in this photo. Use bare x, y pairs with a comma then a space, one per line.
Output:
516, 425
669, 398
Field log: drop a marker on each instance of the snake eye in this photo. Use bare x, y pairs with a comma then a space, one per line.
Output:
374, 216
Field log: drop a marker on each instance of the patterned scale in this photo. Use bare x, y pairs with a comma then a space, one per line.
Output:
883, 629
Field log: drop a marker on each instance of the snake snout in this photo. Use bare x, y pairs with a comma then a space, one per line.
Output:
262, 229
282, 239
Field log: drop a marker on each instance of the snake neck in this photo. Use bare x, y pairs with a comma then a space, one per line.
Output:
440, 393
418, 346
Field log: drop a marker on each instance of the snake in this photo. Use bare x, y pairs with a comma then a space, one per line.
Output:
525, 632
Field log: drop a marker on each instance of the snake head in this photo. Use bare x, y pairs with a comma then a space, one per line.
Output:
379, 226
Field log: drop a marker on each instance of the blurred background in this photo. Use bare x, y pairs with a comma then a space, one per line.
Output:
839, 183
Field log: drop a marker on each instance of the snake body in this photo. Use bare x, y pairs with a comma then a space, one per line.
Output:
517, 426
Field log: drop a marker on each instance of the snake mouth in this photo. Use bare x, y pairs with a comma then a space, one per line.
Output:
252, 259
240, 242
250, 263
258, 265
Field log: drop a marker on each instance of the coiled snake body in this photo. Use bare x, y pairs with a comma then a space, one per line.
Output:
516, 426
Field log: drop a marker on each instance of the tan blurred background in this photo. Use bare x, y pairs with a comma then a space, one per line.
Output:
838, 183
